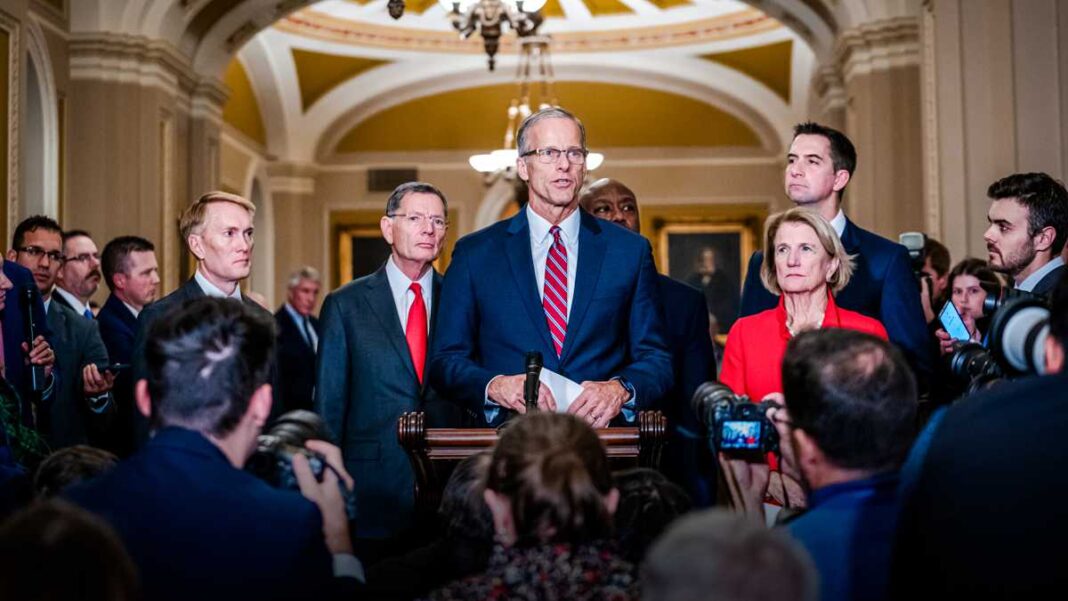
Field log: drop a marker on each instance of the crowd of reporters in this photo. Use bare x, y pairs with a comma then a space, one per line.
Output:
862, 460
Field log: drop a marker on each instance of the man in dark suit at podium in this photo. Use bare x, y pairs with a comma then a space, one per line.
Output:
557, 280
298, 340
372, 361
687, 460
819, 165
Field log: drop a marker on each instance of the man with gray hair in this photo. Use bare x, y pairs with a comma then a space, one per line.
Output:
298, 340
716, 555
372, 357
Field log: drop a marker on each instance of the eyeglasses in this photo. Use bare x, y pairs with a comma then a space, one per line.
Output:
83, 258
37, 252
575, 156
417, 219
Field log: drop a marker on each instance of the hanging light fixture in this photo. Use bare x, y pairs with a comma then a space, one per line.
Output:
489, 18
535, 66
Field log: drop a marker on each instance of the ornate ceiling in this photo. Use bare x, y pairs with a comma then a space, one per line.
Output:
341, 76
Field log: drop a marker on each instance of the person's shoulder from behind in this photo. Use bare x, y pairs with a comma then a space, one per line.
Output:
18, 274
862, 323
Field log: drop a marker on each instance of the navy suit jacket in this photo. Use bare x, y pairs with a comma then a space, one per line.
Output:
16, 372
296, 363
883, 287
118, 329
693, 362
199, 528
366, 380
495, 315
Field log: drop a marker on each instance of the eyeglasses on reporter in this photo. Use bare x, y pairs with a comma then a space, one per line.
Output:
36, 252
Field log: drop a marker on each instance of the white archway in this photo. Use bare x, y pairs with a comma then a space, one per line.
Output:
40, 134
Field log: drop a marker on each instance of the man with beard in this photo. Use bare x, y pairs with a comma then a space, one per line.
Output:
79, 275
1028, 227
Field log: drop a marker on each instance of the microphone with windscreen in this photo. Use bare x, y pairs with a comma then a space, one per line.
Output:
530, 387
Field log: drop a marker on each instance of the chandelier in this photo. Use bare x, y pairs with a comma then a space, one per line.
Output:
488, 17
535, 67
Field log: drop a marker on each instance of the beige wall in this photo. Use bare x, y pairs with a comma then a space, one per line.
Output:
1001, 99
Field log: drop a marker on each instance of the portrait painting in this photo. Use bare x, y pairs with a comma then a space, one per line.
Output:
711, 258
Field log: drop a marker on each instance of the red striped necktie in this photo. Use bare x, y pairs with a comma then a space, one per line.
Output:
554, 298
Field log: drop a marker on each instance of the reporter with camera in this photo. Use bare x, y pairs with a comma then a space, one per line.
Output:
196, 525
982, 508
848, 422
805, 264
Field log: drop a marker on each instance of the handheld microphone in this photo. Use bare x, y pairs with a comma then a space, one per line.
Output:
29, 325
530, 387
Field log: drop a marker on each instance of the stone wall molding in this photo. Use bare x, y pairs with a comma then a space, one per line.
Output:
877, 46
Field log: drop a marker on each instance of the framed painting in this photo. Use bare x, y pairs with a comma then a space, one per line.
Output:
707, 247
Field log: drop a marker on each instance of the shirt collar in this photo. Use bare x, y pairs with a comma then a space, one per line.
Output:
74, 301
1032, 280
213, 290
839, 223
136, 312
539, 226
399, 283
297, 317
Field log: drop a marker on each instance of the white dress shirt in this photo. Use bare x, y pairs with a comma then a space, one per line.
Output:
540, 243
839, 223
1032, 280
213, 291
403, 297
74, 301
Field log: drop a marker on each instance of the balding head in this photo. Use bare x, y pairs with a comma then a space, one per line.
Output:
609, 199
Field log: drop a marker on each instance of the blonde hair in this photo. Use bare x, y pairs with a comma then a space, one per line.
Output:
824, 232
192, 218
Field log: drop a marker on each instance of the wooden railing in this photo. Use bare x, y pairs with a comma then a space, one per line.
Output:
433, 452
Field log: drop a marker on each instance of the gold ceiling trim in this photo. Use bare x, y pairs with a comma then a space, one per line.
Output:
320, 26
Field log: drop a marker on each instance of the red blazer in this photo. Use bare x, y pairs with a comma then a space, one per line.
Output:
752, 361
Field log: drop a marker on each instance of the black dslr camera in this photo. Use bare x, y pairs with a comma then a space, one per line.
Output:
273, 460
736, 426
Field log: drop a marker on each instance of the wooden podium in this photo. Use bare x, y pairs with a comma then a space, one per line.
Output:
434, 452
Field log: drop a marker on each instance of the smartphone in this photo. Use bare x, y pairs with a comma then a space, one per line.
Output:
953, 323
114, 368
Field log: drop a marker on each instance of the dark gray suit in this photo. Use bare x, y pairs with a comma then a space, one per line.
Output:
365, 381
76, 342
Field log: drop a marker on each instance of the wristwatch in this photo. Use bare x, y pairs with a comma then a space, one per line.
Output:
627, 386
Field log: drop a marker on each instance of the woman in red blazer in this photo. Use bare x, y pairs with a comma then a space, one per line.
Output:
805, 264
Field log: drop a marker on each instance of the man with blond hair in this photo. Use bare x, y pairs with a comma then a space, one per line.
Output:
217, 229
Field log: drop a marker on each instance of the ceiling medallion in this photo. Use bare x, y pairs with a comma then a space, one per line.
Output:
488, 17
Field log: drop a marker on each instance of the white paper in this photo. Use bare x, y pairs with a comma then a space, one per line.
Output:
565, 391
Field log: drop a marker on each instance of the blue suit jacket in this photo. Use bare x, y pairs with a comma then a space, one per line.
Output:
492, 313
199, 528
118, 329
17, 372
883, 286
693, 362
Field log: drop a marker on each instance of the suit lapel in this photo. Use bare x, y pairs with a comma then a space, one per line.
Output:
591, 256
380, 298
521, 261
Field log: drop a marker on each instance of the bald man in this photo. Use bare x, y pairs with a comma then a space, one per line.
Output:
688, 461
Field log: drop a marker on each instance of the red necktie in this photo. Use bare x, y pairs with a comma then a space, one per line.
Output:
415, 331
554, 296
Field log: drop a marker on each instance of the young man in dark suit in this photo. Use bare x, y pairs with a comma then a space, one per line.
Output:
132, 274
298, 340
373, 358
820, 163
82, 409
687, 460
196, 525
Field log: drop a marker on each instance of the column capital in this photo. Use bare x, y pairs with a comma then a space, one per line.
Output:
286, 177
878, 46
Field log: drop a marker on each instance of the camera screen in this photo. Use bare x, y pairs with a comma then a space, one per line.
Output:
737, 434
